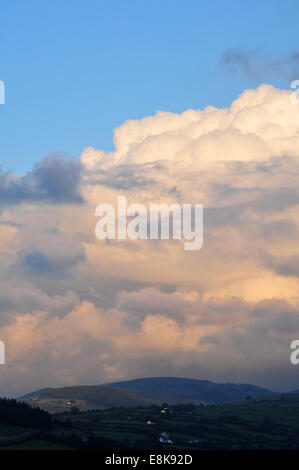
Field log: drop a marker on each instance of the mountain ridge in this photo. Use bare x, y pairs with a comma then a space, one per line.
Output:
142, 392
184, 390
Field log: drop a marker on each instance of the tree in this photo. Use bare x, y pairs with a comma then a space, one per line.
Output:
75, 410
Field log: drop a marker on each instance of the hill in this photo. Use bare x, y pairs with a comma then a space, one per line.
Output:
142, 392
175, 390
36, 393
86, 397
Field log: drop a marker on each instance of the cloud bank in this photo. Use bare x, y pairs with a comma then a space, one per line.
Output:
75, 309
256, 65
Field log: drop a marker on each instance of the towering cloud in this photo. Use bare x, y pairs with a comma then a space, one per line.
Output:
79, 310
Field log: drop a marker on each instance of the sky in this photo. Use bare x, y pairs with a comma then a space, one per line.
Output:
163, 102
74, 71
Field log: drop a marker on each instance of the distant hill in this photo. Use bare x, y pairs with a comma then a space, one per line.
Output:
86, 397
142, 392
33, 394
178, 390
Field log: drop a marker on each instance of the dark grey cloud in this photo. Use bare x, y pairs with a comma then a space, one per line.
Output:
125, 176
210, 339
268, 201
277, 228
286, 323
257, 65
56, 179
275, 165
276, 200
228, 216
288, 267
228, 191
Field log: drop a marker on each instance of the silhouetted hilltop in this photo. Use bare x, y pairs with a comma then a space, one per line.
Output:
180, 390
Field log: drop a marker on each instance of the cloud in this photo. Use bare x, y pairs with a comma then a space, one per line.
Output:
55, 179
39, 263
123, 176
257, 65
58, 178
75, 309
93, 342
286, 266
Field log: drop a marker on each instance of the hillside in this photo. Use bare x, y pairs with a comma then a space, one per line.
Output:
179, 390
142, 392
270, 422
36, 393
86, 397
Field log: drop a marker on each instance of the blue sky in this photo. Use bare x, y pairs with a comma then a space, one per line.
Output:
75, 70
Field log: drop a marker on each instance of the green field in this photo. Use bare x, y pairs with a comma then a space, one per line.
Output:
263, 423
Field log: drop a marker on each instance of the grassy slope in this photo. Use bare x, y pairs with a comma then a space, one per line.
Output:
178, 390
261, 423
96, 396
